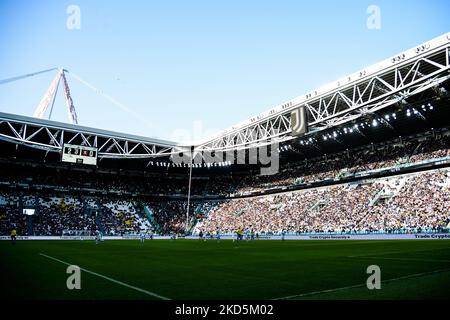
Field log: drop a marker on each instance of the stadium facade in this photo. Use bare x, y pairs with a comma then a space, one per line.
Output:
365, 143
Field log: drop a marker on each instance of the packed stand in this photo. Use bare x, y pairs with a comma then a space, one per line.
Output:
339, 165
419, 202
56, 214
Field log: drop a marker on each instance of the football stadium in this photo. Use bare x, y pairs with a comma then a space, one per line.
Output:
340, 193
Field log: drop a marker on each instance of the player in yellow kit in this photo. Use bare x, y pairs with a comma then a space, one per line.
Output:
13, 236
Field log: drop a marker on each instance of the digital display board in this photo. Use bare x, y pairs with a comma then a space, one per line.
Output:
79, 154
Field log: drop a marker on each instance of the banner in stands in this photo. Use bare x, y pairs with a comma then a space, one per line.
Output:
418, 236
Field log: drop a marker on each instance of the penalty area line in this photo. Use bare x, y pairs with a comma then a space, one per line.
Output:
416, 275
109, 279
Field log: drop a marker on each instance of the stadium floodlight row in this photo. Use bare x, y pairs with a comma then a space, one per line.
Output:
391, 82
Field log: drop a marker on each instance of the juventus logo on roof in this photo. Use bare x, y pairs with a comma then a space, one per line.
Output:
299, 121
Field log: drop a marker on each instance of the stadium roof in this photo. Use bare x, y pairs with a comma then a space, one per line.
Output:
419, 75
91, 130
346, 99
51, 135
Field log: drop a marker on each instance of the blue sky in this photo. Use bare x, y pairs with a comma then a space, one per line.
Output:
194, 67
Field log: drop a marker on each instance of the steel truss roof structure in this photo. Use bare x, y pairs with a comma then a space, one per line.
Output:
390, 82
376, 87
50, 136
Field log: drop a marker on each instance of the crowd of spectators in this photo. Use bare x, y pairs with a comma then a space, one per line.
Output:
343, 208
335, 166
170, 216
413, 203
120, 217
125, 182
55, 215
423, 203
311, 170
10, 215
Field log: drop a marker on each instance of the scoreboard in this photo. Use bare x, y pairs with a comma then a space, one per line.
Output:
79, 154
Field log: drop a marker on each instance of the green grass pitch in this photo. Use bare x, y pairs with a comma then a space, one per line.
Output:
192, 269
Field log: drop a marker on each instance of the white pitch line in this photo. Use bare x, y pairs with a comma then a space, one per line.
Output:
392, 252
319, 292
400, 259
110, 279
362, 285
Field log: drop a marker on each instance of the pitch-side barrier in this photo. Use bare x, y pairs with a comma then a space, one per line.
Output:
412, 236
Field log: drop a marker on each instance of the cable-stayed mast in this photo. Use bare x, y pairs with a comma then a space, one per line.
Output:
71, 112
50, 95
